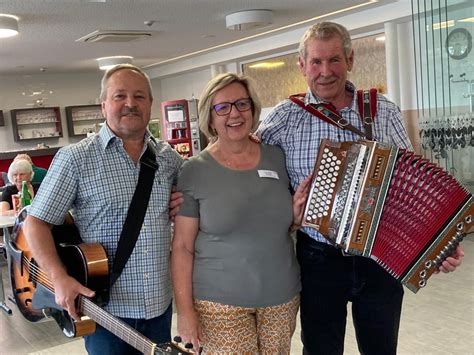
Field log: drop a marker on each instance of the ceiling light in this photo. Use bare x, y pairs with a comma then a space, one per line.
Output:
8, 25
266, 65
249, 19
258, 35
106, 63
469, 19
443, 24
380, 39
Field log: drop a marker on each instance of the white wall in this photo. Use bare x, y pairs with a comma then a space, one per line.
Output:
182, 78
179, 80
68, 90
183, 86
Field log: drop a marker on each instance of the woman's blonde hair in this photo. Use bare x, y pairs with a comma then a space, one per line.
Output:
215, 85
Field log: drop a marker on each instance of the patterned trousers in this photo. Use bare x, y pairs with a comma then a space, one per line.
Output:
241, 330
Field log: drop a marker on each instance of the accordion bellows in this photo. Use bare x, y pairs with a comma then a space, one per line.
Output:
376, 200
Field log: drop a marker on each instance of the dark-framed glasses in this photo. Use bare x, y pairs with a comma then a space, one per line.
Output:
224, 108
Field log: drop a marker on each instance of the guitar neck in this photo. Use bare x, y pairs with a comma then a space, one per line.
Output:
118, 327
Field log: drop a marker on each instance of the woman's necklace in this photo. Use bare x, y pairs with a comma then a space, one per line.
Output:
246, 160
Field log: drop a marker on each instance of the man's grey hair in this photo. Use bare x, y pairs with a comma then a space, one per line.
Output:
325, 31
111, 71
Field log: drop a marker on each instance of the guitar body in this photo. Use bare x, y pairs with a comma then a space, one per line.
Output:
23, 288
87, 263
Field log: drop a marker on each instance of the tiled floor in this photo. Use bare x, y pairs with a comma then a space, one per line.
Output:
439, 320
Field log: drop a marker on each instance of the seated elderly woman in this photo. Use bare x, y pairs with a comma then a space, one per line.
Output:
19, 171
38, 173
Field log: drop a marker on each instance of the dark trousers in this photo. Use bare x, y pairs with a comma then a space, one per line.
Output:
103, 342
329, 281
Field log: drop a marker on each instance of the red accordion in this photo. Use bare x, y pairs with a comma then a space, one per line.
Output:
376, 200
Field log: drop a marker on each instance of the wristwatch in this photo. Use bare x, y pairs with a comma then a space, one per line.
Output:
459, 43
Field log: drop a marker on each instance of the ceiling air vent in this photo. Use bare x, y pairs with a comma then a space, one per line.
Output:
114, 36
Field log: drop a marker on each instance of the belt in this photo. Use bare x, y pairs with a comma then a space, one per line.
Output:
327, 249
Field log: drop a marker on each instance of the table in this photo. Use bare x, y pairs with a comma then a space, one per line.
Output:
6, 222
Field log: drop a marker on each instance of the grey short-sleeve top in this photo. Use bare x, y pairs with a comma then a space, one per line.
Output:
244, 253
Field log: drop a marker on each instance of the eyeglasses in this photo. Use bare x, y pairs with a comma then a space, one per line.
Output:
224, 108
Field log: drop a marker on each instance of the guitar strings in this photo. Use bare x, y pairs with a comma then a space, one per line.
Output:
37, 274
147, 346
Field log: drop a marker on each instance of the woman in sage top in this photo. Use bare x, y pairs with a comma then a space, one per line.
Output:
236, 279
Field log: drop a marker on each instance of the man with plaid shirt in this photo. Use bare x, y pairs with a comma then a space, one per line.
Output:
329, 279
96, 179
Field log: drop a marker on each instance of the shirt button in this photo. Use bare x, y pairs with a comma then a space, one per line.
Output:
146, 275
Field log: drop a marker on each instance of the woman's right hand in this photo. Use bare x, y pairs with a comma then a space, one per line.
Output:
189, 329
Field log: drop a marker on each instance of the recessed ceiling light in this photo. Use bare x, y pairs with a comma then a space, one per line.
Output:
8, 25
105, 63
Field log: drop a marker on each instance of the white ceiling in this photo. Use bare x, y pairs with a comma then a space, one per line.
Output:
49, 29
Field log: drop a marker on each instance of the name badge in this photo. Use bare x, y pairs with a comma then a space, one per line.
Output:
268, 174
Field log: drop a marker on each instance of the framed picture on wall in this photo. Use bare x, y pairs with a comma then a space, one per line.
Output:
155, 127
2, 119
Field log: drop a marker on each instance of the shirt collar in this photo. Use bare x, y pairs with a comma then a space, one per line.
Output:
106, 136
313, 99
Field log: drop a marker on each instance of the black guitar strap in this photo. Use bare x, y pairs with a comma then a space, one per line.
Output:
136, 212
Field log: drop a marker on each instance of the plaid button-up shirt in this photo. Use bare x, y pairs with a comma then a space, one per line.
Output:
96, 179
299, 134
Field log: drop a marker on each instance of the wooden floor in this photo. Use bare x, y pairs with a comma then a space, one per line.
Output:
439, 320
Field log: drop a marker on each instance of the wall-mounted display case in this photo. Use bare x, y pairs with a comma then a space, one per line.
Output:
36, 123
83, 119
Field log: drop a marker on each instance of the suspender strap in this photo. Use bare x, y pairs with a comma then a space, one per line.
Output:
136, 212
367, 104
326, 113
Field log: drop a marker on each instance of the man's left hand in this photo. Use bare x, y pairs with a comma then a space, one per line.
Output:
176, 199
453, 261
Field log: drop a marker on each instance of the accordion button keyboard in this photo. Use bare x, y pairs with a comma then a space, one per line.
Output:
323, 186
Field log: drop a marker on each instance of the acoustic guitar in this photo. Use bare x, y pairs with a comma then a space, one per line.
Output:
34, 292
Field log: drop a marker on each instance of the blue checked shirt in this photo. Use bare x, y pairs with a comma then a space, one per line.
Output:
96, 179
299, 134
